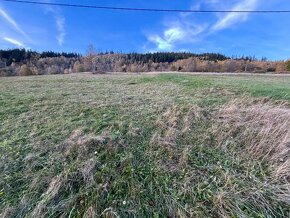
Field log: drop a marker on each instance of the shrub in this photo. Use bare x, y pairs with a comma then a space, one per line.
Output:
280, 66
271, 69
67, 71
173, 68
78, 67
25, 71
8, 71
54, 70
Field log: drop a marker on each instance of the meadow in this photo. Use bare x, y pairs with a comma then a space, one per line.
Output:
165, 145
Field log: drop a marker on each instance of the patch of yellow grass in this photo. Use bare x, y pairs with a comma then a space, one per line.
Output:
261, 128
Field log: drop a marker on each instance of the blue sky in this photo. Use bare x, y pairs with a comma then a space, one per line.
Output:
73, 29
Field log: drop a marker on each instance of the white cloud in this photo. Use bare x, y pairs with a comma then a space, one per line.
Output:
186, 30
177, 33
170, 36
13, 41
60, 23
11, 21
174, 34
232, 18
160, 42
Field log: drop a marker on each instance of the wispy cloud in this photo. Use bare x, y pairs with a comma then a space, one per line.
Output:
11, 22
13, 41
60, 23
176, 33
170, 36
189, 29
233, 18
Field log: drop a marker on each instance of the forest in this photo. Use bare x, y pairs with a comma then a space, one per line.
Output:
21, 62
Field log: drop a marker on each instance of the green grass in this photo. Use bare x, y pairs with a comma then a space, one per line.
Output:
115, 146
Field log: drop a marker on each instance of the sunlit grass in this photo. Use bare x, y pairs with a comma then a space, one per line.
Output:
145, 146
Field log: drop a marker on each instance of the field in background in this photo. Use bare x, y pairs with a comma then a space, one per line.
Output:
144, 145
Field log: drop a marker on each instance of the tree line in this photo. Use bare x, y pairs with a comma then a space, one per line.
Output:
22, 55
22, 62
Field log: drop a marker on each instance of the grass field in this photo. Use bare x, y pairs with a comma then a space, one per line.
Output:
144, 146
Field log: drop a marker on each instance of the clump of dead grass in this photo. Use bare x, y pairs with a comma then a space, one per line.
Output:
256, 130
81, 148
172, 126
68, 183
7, 212
90, 213
80, 144
175, 122
75, 160
259, 127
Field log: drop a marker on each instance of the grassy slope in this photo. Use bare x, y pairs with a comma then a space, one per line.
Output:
127, 146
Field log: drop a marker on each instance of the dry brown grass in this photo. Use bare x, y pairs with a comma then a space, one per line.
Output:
80, 144
79, 149
7, 212
174, 122
261, 128
90, 213
172, 125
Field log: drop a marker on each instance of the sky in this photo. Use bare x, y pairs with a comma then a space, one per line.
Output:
42, 28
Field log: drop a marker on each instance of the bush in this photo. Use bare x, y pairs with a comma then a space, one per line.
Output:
67, 71
7, 71
271, 69
25, 71
173, 68
54, 70
78, 67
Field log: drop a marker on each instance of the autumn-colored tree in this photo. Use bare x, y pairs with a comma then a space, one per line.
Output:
25, 71
78, 67
288, 65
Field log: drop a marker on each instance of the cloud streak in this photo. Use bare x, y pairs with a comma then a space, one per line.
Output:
11, 22
13, 41
60, 23
233, 18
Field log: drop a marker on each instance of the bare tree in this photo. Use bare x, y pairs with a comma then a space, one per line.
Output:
90, 58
